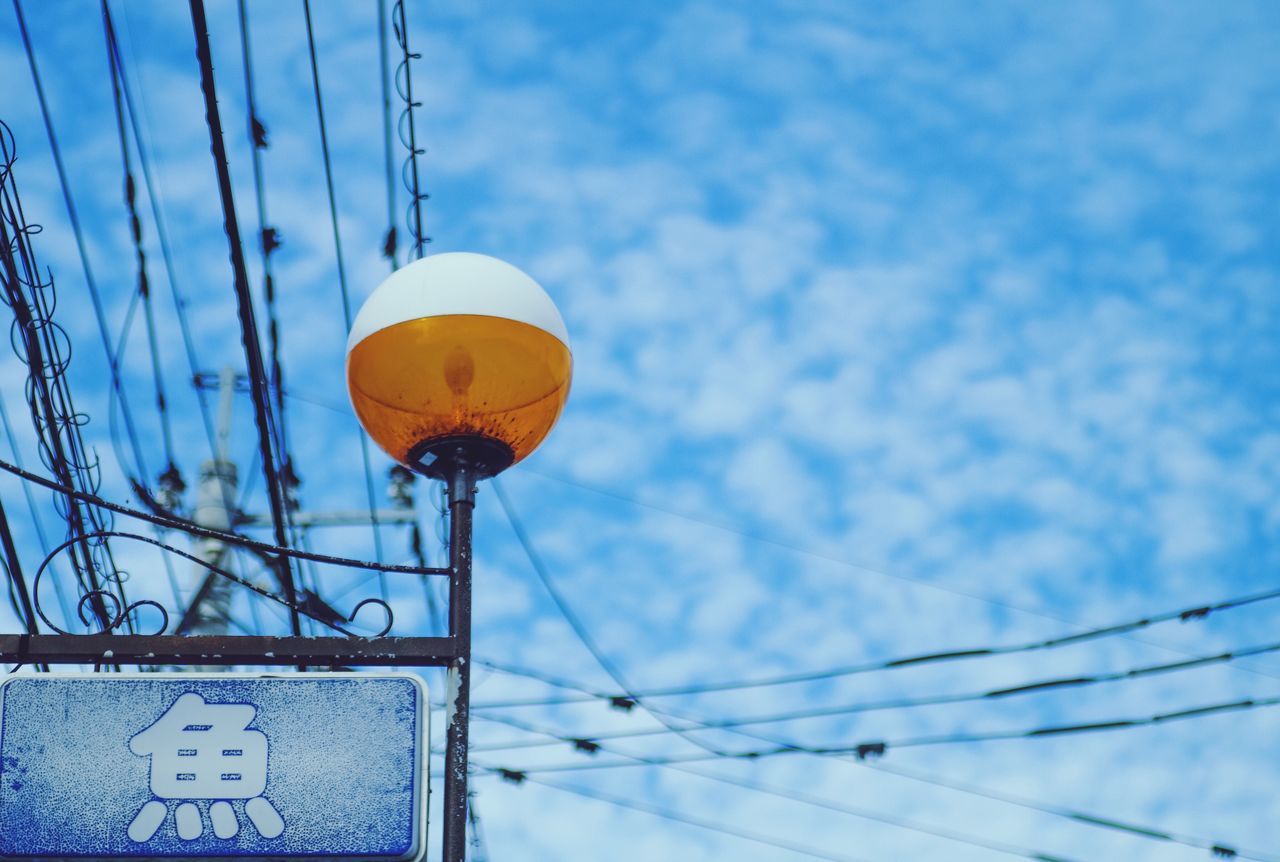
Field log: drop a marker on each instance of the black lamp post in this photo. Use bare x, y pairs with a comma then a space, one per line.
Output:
458, 366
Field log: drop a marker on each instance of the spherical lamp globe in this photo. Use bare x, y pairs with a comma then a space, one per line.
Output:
458, 357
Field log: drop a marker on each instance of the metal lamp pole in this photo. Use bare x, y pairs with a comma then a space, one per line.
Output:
462, 491
460, 461
467, 356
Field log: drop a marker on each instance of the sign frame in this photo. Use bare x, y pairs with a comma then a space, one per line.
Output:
421, 766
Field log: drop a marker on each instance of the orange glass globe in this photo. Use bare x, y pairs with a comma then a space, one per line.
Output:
458, 346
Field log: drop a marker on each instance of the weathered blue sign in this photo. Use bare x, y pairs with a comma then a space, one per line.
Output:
321, 766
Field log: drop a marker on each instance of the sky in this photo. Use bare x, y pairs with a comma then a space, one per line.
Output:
897, 328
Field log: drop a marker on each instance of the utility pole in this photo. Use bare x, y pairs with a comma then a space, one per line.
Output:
209, 612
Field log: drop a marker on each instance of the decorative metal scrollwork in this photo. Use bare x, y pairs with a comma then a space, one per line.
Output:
311, 606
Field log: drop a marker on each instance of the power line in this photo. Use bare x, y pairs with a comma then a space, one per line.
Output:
1218, 848
879, 747
39, 344
263, 549
166, 254
826, 804
688, 819
342, 277
135, 233
248, 325
867, 814
629, 699
78, 232
171, 481
41, 537
808, 552
268, 240
311, 607
1221, 848
53, 411
170, 478
389, 242
478, 846
987, 695
400, 26
18, 591
544, 576
1185, 614
574, 621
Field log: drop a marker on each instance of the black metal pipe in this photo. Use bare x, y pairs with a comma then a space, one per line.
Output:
462, 488
188, 650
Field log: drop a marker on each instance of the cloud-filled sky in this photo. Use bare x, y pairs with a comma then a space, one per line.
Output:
897, 328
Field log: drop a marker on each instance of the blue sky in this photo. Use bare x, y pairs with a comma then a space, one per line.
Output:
897, 327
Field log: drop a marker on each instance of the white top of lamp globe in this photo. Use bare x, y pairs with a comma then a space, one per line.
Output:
457, 282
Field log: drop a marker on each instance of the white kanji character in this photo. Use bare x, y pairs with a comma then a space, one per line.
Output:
200, 750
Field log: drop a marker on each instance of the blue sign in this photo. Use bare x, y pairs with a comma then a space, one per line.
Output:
316, 766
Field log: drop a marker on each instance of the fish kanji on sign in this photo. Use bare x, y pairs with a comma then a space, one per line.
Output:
205, 751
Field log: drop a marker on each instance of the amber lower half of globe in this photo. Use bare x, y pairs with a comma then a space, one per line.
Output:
459, 374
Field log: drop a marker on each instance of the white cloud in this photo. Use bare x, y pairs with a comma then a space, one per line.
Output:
934, 330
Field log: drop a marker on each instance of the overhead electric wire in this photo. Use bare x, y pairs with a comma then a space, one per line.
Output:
147, 497
1225, 849
80, 463
166, 253
317, 611
544, 576
879, 747
269, 241
820, 802
135, 473
401, 28
691, 820
823, 803
268, 236
808, 552
248, 324
389, 241
135, 234
41, 536
1119, 629
1038, 686
342, 276
480, 851
171, 479
18, 590
1219, 849
57, 423
85, 571
261, 548
575, 622
78, 232
171, 476
1185, 614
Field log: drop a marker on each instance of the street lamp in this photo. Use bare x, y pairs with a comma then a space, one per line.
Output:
458, 356
458, 366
